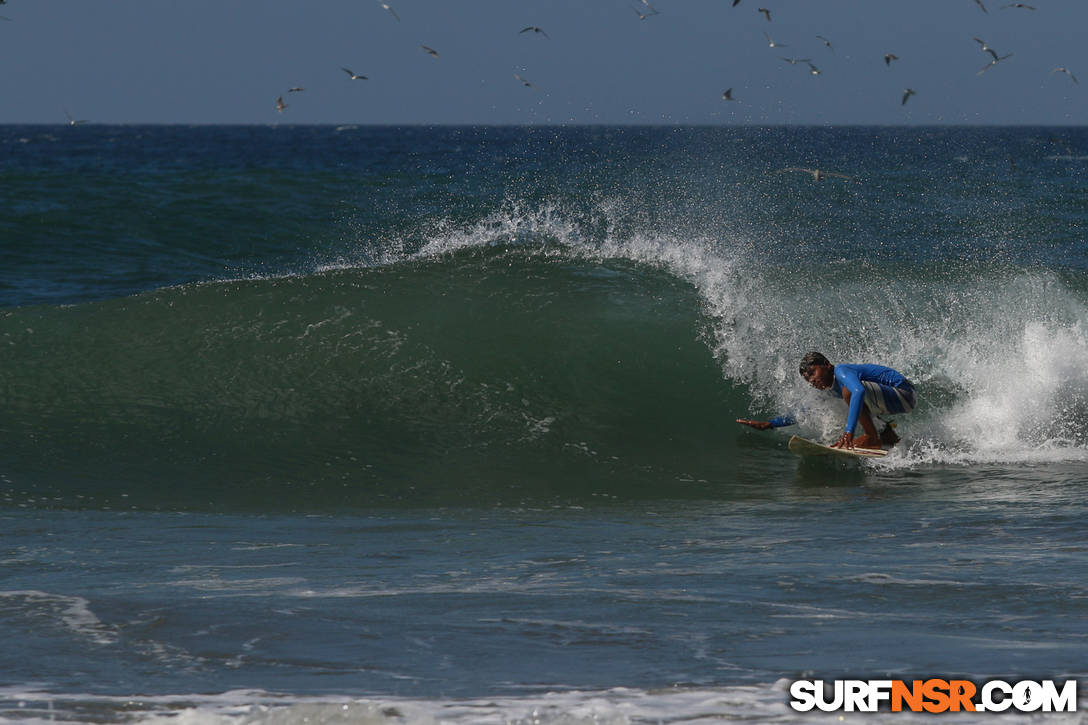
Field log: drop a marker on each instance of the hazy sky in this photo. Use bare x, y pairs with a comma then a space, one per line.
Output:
227, 61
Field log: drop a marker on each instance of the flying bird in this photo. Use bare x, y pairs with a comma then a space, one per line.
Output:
535, 29
817, 174
73, 121
766, 13
524, 82
728, 95
1017, 5
296, 89
651, 8
987, 49
354, 76
771, 43
430, 51
889, 57
813, 69
390, 9
826, 42
736, 3
795, 61
993, 62
1063, 69
979, 3
907, 93
280, 105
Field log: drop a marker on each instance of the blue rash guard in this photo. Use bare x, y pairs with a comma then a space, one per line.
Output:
884, 390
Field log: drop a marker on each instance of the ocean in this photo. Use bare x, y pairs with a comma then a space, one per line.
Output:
437, 425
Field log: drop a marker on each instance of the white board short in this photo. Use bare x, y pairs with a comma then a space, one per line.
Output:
884, 400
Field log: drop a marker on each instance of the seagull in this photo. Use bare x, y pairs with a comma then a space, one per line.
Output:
771, 43
889, 57
430, 51
72, 121
986, 48
728, 95
390, 9
354, 76
993, 62
795, 61
1017, 5
907, 93
979, 3
1063, 69
651, 8
296, 89
524, 82
643, 16
766, 13
817, 175
813, 69
826, 42
736, 3
535, 29
280, 105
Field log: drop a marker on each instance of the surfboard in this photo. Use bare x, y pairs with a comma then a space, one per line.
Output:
804, 447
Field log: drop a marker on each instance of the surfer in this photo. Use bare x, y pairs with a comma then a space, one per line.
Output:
867, 389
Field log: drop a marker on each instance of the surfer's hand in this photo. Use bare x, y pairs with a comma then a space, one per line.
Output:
757, 424
845, 441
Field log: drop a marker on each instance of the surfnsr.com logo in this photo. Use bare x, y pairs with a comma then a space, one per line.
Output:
933, 695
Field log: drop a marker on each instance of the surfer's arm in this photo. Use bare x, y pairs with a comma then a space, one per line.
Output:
849, 380
779, 422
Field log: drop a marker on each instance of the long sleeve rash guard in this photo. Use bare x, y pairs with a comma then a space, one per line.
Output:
851, 377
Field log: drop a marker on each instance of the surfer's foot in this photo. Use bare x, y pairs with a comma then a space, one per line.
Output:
888, 436
866, 441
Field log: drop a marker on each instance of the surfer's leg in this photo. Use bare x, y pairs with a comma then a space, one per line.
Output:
888, 436
871, 439
884, 400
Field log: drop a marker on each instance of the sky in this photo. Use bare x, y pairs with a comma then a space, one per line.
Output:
596, 62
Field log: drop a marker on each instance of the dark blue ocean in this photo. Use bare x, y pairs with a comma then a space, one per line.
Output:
436, 425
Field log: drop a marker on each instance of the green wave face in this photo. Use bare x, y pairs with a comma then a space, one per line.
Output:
482, 375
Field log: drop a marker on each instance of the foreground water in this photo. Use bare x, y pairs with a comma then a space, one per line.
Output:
421, 425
